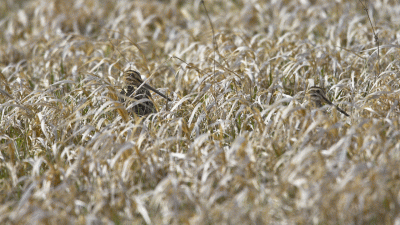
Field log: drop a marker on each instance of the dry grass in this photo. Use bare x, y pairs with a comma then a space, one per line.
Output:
240, 146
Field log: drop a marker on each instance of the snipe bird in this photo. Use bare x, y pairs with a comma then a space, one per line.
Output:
317, 97
138, 93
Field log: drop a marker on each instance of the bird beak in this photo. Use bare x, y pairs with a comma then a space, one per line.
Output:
153, 89
326, 100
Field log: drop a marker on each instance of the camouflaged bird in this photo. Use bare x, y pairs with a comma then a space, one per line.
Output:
138, 94
317, 97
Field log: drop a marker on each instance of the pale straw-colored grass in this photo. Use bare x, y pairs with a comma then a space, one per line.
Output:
238, 145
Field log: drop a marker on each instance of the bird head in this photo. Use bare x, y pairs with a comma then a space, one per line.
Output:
317, 96
132, 77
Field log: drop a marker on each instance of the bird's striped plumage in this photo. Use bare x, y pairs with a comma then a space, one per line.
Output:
138, 93
317, 97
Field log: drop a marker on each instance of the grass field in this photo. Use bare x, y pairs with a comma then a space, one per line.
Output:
239, 143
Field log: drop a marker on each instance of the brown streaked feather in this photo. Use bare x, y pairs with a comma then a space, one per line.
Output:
317, 97
139, 91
